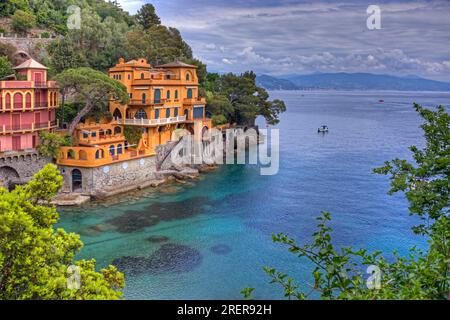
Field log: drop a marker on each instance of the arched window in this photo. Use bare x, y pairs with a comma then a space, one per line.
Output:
144, 97
117, 130
71, 154
186, 114
157, 114
119, 149
168, 113
83, 155
157, 96
112, 150
28, 101
168, 94
175, 112
142, 76
117, 114
176, 94
108, 132
189, 94
8, 101
18, 102
100, 154
141, 114
188, 76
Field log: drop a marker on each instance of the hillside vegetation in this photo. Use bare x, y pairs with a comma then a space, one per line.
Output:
107, 33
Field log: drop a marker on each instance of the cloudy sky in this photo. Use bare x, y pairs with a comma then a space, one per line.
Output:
297, 36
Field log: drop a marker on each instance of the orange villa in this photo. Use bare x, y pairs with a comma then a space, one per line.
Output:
163, 99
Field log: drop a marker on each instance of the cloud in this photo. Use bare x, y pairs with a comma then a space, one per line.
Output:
286, 36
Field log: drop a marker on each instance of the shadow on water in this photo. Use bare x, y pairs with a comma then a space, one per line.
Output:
169, 258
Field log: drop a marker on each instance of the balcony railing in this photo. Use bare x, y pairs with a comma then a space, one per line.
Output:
40, 84
151, 122
194, 101
28, 127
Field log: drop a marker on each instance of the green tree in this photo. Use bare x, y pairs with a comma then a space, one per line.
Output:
92, 88
5, 68
7, 50
34, 257
339, 272
240, 100
23, 21
147, 16
50, 143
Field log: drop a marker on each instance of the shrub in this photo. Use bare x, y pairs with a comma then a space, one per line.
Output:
23, 21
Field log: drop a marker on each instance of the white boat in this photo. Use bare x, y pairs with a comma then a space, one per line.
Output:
323, 129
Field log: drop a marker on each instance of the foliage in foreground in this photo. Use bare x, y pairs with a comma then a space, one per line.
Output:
34, 257
339, 273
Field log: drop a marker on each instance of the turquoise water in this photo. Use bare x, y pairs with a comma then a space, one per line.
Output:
209, 238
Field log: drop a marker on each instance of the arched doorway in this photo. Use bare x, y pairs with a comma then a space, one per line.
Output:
9, 177
77, 181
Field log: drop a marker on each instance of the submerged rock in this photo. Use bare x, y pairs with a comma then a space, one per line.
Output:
169, 258
132, 221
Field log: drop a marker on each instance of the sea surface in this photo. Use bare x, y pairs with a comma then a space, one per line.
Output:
209, 238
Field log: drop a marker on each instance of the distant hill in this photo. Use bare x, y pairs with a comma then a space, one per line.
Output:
273, 83
354, 81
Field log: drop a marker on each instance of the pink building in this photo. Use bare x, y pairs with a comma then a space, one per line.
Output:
27, 106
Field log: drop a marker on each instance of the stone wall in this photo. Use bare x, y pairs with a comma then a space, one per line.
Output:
19, 167
105, 181
24, 44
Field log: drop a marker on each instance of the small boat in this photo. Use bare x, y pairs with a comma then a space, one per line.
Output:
323, 129
381, 100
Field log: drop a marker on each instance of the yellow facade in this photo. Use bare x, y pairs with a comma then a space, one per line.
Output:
162, 99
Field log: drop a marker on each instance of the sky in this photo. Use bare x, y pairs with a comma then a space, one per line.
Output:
302, 37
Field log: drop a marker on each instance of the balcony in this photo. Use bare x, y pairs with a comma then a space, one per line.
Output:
140, 102
151, 122
91, 157
40, 84
4, 129
194, 101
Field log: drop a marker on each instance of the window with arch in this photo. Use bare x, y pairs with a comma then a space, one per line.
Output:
176, 94
175, 112
142, 76
144, 97
157, 95
100, 154
141, 114
186, 114
189, 94
108, 132
117, 114
157, 114
168, 94
168, 113
112, 150
28, 101
83, 155
8, 101
117, 130
18, 102
119, 149
188, 76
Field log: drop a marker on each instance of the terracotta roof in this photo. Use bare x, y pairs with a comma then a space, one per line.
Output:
176, 64
31, 64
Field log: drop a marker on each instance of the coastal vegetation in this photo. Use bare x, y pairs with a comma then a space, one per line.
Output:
339, 272
37, 261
